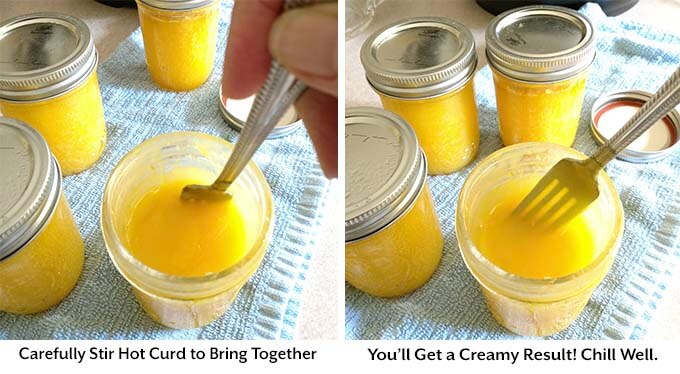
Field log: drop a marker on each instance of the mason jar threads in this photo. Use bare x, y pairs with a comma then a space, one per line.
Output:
422, 69
535, 281
185, 259
48, 79
180, 38
393, 241
41, 251
539, 56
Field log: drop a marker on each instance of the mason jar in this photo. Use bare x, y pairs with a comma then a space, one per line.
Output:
41, 251
180, 38
393, 241
535, 296
184, 301
49, 80
422, 69
540, 57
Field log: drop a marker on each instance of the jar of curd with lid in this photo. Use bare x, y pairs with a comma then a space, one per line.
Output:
535, 281
180, 38
48, 79
185, 259
393, 241
41, 251
422, 69
539, 56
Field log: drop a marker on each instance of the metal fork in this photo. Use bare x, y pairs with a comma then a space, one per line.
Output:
571, 185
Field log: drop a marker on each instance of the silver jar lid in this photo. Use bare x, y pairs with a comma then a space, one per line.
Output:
30, 181
611, 111
235, 112
540, 43
178, 4
385, 170
44, 55
419, 57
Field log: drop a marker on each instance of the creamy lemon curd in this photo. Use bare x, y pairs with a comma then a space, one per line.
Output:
422, 69
180, 39
49, 80
41, 251
534, 112
186, 237
186, 260
447, 127
535, 282
540, 57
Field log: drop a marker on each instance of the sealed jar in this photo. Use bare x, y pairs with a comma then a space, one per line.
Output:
41, 251
48, 79
422, 69
539, 56
393, 241
185, 260
535, 282
180, 38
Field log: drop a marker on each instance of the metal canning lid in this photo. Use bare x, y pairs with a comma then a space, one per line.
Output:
540, 43
419, 57
385, 170
235, 112
611, 111
178, 4
44, 55
30, 182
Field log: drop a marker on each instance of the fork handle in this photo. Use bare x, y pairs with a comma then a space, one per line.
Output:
663, 101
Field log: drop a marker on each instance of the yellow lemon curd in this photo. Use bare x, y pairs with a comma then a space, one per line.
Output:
179, 44
44, 271
186, 237
539, 112
401, 257
446, 126
72, 124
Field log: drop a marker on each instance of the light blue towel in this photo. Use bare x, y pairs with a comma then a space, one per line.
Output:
102, 305
451, 306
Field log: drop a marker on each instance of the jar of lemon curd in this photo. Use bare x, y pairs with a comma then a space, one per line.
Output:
422, 69
185, 259
41, 251
535, 282
539, 57
48, 79
180, 38
393, 241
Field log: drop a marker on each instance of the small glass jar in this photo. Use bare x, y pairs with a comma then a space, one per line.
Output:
180, 38
51, 84
183, 301
546, 305
393, 241
422, 69
41, 251
540, 56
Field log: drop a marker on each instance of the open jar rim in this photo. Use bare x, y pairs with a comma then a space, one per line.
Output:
532, 289
162, 284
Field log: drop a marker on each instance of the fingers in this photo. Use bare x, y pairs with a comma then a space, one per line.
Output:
319, 111
305, 41
247, 58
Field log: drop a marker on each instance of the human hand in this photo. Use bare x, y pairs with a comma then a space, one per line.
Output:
304, 40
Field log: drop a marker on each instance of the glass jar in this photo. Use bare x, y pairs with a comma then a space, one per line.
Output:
172, 300
51, 84
422, 69
393, 241
41, 251
180, 38
534, 304
540, 56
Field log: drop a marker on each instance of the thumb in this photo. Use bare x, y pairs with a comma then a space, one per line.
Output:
305, 41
